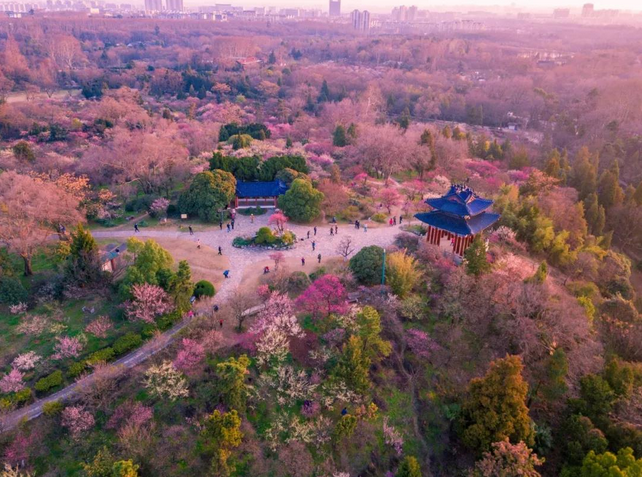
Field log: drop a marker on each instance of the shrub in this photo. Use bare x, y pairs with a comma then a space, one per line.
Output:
252, 211
264, 236
319, 272
241, 241
127, 342
204, 288
48, 382
77, 368
165, 322
23, 396
379, 217
350, 213
288, 238
298, 281
12, 292
52, 408
101, 356
139, 203
367, 264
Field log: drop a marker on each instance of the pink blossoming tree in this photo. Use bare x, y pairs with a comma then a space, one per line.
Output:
149, 302
77, 420
12, 382
67, 347
190, 357
324, 296
278, 219
99, 327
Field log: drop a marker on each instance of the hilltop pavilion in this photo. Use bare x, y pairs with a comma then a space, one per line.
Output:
456, 218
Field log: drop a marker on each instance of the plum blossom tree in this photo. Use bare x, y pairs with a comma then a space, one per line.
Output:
67, 347
148, 302
324, 296
77, 420
99, 327
279, 220
507, 459
31, 210
164, 381
26, 361
12, 382
189, 357
389, 197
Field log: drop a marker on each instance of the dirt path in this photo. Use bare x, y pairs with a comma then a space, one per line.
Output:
239, 261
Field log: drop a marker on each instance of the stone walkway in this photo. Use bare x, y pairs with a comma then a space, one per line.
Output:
240, 259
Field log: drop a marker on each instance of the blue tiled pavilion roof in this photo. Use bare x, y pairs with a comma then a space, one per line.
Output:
260, 189
460, 201
458, 225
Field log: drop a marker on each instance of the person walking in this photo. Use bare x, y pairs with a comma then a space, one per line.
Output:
220, 224
315, 230
394, 220
331, 231
314, 245
365, 228
220, 250
400, 219
390, 222
251, 218
136, 228
303, 261
336, 230
226, 274
319, 258
191, 232
308, 235
228, 228
198, 243
232, 222
220, 324
356, 224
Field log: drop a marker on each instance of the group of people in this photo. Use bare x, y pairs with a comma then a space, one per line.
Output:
393, 220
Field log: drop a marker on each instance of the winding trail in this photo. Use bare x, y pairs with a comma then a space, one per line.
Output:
240, 259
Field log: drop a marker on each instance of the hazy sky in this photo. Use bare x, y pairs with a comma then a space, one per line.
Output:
386, 5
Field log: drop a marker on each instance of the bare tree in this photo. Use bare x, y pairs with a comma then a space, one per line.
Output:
345, 247
239, 303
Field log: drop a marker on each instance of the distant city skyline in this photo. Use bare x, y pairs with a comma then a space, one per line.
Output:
378, 6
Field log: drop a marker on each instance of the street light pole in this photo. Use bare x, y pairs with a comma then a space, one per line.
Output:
383, 269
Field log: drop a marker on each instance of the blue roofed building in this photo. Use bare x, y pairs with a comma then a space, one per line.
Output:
456, 218
258, 194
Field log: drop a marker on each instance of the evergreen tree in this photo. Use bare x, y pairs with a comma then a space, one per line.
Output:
427, 139
324, 94
352, 133
220, 434
339, 138
288, 143
354, 365
637, 197
458, 135
565, 167
553, 167
409, 468
272, 58
609, 191
606, 239
595, 214
495, 408
208, 192
301, 202
83, 262
231, 375
374, 347
555, 386
446, 132
181, 287
475, 255
584, 174
404, 119
202, 93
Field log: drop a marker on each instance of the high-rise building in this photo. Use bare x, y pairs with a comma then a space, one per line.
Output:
360, 20
561, 13
335, 8
153, 6
175, 5
588, 10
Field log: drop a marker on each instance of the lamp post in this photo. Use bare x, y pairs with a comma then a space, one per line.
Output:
383, 269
